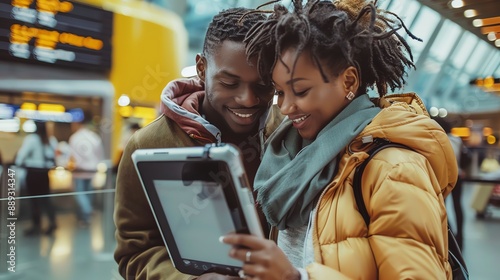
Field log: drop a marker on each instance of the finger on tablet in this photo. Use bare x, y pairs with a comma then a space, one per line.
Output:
246, 240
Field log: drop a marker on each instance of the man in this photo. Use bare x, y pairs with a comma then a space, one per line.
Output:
228, 102
87, 150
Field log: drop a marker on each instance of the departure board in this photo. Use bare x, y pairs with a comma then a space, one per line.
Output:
54, 32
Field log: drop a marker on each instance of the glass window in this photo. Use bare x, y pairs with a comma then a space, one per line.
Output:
497, 71
464, 80
464, 50
405, 9
384, 4
423, 26
473, 65
422, 81
492, 63
447, 79
445, 41
198, 16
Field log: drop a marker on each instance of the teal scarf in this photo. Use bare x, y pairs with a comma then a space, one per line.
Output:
293, 173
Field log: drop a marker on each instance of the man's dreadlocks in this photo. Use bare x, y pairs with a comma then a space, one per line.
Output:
338, 35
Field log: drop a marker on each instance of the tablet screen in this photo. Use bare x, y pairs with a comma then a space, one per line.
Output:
195, 202
196, 197
196, 210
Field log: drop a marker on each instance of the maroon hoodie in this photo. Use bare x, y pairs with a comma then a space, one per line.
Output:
181, 101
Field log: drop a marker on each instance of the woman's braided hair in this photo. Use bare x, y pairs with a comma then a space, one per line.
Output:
338, 34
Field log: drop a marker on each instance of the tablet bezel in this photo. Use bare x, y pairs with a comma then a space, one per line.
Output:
150, 165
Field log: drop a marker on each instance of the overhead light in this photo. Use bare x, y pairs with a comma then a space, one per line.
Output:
485, 82
101, 167
76, 114
457, 4
9, 125
47, 116
470, 13
487, 131
479, 82
46, 107
492, 36
477, 22
461, 131
28, 106
491, 21
443, 112
29, 126
497, 43
489, 29
126, 111
6, 111
488, 81
433, 111
491, 139
123, 100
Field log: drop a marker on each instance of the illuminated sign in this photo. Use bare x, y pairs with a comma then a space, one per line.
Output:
45, 116
62, 33
6, 111
42, 112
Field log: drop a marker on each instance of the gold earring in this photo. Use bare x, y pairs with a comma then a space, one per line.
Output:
350, 95
275, 99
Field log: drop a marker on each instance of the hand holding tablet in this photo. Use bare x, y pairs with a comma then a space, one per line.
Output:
198, 194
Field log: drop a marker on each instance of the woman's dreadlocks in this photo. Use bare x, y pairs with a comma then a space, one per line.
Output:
338, 34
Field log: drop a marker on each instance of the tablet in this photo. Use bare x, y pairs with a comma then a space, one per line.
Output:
198, 194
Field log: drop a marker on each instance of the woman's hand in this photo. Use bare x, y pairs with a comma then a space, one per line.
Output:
262, 258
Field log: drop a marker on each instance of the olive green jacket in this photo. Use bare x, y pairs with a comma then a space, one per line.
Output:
141, 252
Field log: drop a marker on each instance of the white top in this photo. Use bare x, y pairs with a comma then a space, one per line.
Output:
291, 241
31, 153
87, 149
297, 245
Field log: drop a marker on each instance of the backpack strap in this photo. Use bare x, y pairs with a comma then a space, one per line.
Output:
457, 263
380, 144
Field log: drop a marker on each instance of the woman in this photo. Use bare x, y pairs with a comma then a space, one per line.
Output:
322, 58
37, 156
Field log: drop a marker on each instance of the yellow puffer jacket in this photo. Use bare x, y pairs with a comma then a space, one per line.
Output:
404, 194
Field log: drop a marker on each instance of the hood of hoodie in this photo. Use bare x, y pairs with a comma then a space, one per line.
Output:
181, 101
404, 119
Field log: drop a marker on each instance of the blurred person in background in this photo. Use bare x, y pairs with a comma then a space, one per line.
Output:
37, 155
458, 148
131, 129
63, 154
87, 150
227, 102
